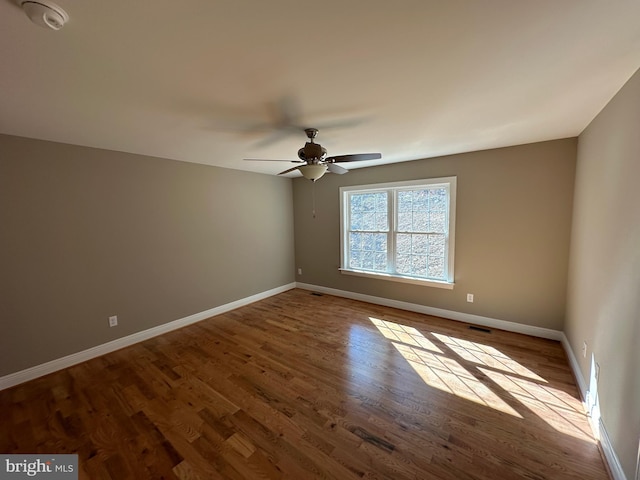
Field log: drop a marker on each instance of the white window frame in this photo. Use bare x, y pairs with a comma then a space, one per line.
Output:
449, 183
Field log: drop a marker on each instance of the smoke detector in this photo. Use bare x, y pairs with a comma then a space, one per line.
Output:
45, 13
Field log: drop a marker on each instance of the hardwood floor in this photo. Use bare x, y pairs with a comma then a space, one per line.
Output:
300, 386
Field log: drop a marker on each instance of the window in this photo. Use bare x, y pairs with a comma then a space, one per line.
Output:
401, 231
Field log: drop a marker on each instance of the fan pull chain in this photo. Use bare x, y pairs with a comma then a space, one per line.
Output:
313, 199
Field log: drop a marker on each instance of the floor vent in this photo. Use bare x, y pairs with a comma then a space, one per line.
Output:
316, 294
479, 329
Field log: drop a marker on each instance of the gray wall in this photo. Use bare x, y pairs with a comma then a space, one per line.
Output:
603, 300
88, 233
513, 221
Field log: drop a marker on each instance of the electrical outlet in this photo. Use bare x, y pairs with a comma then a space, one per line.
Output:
470, 297
299, 271
584, 349
113, 321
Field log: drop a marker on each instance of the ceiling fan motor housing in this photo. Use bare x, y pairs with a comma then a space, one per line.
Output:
312, 151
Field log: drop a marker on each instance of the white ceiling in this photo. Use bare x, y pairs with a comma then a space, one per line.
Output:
191, 80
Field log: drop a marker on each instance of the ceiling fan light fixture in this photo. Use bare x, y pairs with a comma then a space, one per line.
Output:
313, 171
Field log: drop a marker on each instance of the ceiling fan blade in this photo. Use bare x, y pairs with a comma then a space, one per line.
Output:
344, 123
280, 134
285, 113
333, 168
356, 157
271, 160
288, 170
287, 110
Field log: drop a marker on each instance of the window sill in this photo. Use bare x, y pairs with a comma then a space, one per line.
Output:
396, 278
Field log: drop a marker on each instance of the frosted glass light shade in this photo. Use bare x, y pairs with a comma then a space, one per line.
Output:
313, 172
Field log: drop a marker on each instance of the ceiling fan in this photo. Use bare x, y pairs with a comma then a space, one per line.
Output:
315, 162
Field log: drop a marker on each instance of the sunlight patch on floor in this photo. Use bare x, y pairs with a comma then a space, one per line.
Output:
448, 375
486, 355
435, 369
557, 408
404, 334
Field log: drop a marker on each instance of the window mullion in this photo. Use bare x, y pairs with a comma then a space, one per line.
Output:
391, 237
347, 228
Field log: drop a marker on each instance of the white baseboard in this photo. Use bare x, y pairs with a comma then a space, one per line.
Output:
597, 425
609, 453
46, 368
573, 363
439, 312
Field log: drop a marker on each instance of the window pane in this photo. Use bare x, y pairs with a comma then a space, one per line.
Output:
404, 201
356, 221
419, 265
413, 265
436, 267
356, 203
369, 202
437, 199
417, 254
382, 222
354, 240
368, 221
436, 245
436, 240
367, 260
437, 222
368, 251
404, 221
368, 211
419, 244
380, 262
420, 221
362, 202
368, 241
403, 264
403, 243
420, 199
414, 207
355, 259
381, 243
